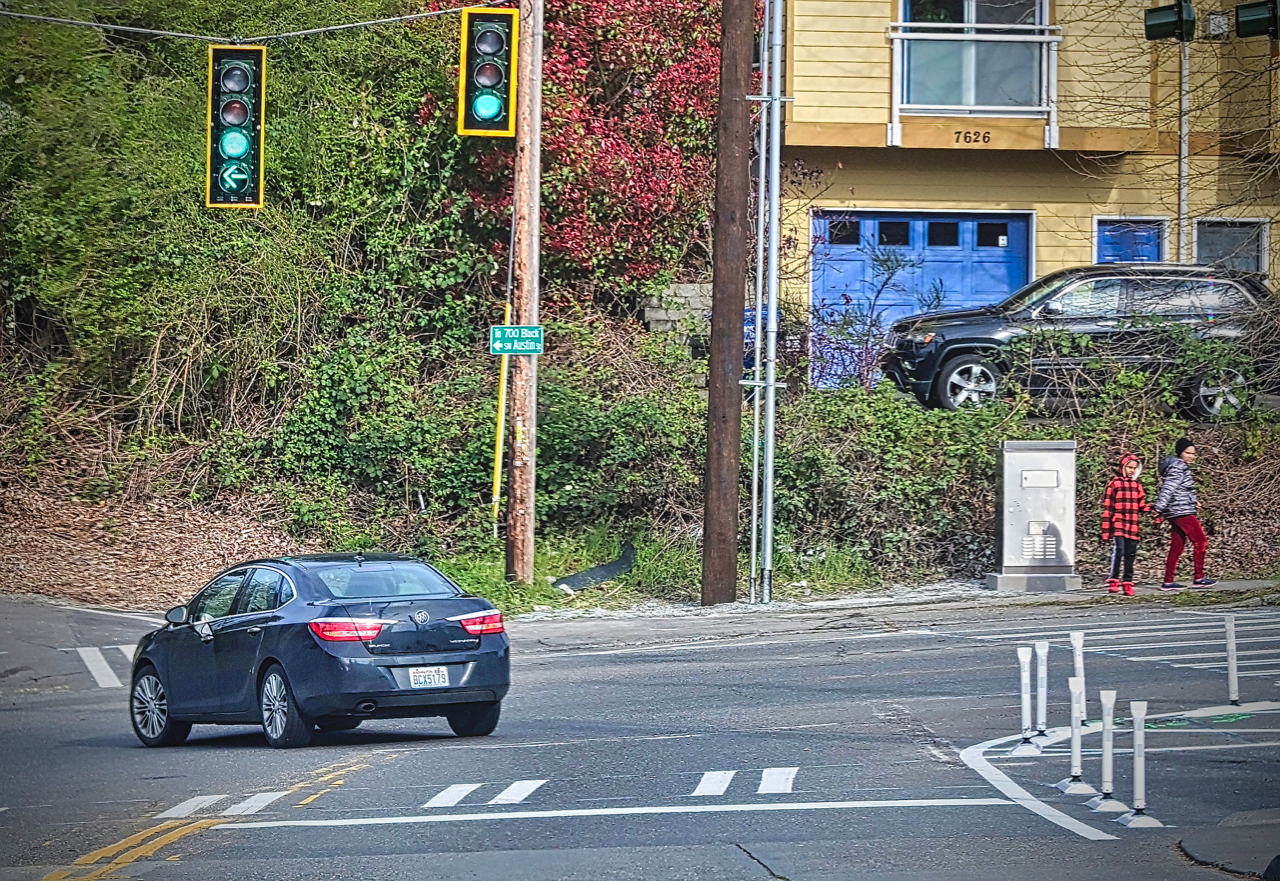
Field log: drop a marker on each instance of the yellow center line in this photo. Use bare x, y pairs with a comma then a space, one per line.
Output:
149, 849
310, 798
113, 849
57, 876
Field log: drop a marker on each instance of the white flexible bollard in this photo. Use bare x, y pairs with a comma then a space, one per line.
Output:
1074, 785
1233, 666
1077, 651
1105, 803
1042, 689
1025, 747
1138, 818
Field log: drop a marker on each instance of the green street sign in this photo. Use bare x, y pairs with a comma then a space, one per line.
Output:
515, 339
1257, 20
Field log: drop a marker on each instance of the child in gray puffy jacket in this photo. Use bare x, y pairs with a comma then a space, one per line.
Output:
1177, 503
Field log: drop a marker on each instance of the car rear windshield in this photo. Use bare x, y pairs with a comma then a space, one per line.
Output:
361, 581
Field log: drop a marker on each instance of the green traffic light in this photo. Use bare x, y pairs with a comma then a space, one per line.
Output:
486, 107
233, 143
233, 178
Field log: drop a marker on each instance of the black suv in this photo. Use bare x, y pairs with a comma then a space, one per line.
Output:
956, 358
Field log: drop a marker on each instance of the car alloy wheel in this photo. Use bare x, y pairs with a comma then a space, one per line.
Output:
1223, 388
149, 707
282, 720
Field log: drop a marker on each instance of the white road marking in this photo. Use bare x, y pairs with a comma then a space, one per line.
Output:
452, 795
98, 667
625, 812
190, 806
714, 783
974, 757
516, 792
253, 804
776, 780
1180, 644
1222, 654
732, 642
1223, 663
128, 651
629, 739
159, 622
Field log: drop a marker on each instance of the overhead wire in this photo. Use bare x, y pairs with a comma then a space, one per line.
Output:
151, 32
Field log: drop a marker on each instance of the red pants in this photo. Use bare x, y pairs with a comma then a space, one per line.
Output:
1183, 530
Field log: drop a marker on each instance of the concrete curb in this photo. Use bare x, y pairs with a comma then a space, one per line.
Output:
1246, 844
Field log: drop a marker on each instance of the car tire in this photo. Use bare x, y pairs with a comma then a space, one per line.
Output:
474, 720
966, 380
339, 724
1210, 392
149, 710
283, 723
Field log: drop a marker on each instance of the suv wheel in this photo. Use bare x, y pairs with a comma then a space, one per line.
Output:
1218, 390
966, 381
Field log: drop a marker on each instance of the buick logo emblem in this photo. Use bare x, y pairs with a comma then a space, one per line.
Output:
421, 617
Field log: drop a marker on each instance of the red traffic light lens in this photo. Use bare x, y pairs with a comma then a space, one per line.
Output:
234, 79
235, 112
490, 42
488, 75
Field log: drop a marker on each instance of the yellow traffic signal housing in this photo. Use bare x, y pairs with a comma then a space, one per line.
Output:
487, 72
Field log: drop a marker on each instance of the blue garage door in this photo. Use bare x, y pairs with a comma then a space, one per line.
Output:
872, 268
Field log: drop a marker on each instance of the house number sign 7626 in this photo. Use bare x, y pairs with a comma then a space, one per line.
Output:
973, 137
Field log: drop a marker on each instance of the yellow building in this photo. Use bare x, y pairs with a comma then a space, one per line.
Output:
989, 142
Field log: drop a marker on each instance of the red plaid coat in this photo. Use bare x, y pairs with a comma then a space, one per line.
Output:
1123, 501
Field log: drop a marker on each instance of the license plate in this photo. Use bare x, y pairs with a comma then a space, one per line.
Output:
429, 677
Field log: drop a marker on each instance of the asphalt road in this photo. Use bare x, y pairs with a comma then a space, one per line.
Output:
807, 746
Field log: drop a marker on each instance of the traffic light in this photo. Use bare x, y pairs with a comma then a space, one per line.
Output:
487, 72
234, 178
1257, 19
1176, 22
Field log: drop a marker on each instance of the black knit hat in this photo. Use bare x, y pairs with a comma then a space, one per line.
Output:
1181, 446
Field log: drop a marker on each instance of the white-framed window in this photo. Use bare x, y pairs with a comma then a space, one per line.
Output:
949, 67
1233, 243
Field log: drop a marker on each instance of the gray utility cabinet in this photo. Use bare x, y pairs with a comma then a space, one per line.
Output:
1036, 542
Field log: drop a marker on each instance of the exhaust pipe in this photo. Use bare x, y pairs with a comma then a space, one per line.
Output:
366, 706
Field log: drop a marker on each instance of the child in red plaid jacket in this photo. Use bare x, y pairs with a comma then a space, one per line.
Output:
1123, 501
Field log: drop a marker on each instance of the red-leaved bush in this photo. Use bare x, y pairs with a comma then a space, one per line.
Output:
628, 142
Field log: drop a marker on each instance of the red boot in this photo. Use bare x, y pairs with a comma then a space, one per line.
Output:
1113, 585
1128, 588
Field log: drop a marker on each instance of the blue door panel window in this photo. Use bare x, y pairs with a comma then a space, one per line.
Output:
953, 261
1130, 241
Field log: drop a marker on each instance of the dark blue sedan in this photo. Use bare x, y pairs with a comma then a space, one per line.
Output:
325, 641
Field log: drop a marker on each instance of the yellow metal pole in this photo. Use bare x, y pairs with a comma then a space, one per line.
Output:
502, 420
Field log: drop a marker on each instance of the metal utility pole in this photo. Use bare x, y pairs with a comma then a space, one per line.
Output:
728, 301
1184, 151
771, 334
524, 375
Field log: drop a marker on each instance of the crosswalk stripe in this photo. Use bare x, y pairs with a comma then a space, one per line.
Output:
451, 795
128, 651
714, 783
774, 780
516, 792
190, 806
98, 667
253, 803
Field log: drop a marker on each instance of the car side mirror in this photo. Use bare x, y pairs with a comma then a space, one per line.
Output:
1051, 309
176, 615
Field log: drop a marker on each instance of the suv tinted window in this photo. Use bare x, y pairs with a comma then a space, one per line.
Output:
398, 579
1093, 298
1199, 297
262, 592
216, 599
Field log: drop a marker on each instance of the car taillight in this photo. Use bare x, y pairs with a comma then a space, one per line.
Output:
477, 623
346, 629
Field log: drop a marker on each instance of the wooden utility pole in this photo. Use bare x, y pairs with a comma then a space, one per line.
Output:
524, 375
728, 301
